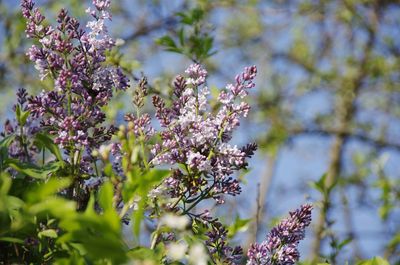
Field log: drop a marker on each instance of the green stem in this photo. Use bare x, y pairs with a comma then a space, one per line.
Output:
199, 199
177, 201
155, 237
23, 143
96, 169
69, 102
146, 164
126, 207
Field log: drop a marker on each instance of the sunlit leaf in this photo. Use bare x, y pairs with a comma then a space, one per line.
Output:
374, 261
48, 233
32, 170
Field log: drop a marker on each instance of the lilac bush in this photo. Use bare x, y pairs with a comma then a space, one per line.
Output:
116, 176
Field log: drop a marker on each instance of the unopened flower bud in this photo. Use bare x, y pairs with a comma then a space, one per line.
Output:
131, 125
104, 151
95, 153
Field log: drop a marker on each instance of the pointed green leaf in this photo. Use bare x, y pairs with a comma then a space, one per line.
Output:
238, 226
32, 170
48, 233
106, 194
12, 240
166, 41
374, 261
49, 188
47, 142
6, 141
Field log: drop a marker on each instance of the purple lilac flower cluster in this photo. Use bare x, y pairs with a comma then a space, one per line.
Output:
217, 244
198, 139
75, 60
280, 248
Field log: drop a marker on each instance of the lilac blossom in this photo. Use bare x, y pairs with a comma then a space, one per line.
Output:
141, 126
83, 83
197, 138
280, 247
197, 75
217, 244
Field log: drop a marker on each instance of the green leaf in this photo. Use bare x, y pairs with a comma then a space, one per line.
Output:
166, 41
143, 253
185, 19
5, 183
238, 226
151, 178
22, 116
6, 141
181, 35
4, 144
14, 203
48, 233
108, 170
58, 207
97, 237
195, 15
207, 45
344, 243
320, 184
74, 258
138, 215
32, 170
46, 141
394, 241
18, 113
144, 184
12, 240
106, 194
51, 187
374, 261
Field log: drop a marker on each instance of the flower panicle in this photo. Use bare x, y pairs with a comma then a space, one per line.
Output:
74, 58
194, 136
280, 247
